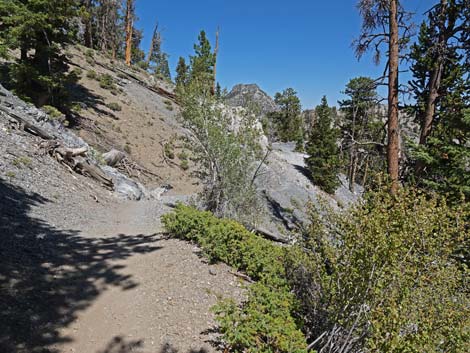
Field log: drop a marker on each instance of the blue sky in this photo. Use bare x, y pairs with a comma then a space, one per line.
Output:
303, 44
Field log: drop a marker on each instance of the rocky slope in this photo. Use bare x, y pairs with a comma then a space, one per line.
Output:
120, 108
287, 192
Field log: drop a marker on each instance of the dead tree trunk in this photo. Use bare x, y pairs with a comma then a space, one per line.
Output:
393, 127
216, 53
129, 28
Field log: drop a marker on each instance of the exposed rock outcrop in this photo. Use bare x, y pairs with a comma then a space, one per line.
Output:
251, 95
286, 192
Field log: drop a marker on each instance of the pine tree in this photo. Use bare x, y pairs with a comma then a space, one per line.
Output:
323, 161
202, 63
39, 29
288, 120
441, 87
157, 60
386, 23
362, 129
182, 73
107, 26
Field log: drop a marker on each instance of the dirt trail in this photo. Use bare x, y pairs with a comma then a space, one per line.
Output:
86, 277
164, 307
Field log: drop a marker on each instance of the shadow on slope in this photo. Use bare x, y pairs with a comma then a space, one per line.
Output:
47, 275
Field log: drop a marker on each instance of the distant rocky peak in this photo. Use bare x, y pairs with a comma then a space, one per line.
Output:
249, 96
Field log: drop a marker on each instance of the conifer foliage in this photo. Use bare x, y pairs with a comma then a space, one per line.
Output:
288, 120
362, 130
323, 161
157, 59
39, 29
202, 63
441, 87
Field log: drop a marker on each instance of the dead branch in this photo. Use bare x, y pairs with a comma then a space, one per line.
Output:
241, 275
27, 126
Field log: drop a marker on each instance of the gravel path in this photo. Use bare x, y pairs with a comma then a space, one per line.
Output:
114, 284
166, 305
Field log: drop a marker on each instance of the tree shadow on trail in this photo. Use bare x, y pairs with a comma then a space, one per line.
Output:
48, 275
168, 348
119, 345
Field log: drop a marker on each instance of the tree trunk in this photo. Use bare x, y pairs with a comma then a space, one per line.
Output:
216, 53
352, 168
393, 127
129, 26
435, 79
88, 30
23, 54
366, 170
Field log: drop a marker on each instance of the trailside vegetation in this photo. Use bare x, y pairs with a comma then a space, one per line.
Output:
264, 323
371, 279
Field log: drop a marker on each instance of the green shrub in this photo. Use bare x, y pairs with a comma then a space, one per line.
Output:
183, 156
107, 82
75, 74
91, 74
168, 104
184, 164
10, 175
89, 53
22, 161
143, 65
263, 323
384, 276
169, 150
52, 112
114, 106
127, 148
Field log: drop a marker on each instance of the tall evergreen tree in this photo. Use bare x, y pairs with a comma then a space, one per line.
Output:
39, 29
288, 120
130, 17
323, 161
182, 73
441, 87
202, 63
362, 129
386, 23
157, 59
107, 23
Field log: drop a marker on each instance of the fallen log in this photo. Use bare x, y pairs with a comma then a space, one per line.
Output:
269, 235
113, 157
72, 152
85, 167
27, 126
74, 159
